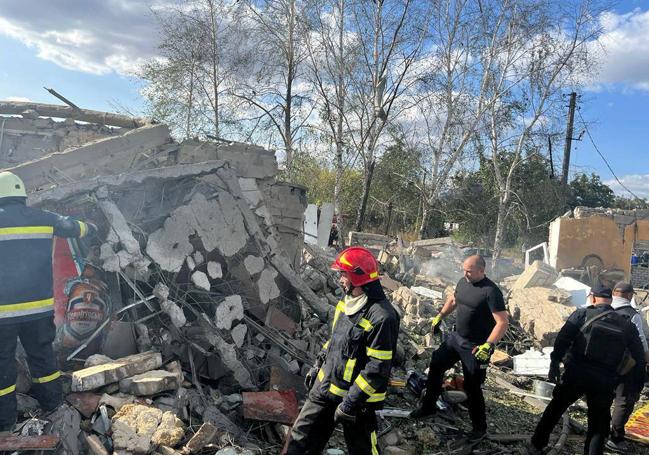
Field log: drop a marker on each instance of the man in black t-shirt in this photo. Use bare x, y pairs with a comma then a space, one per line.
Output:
481, 322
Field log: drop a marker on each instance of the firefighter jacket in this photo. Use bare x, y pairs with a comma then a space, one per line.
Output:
358, 356
26, 241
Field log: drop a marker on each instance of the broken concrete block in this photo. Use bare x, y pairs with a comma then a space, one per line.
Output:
96, 359
501, 358
253, 264
205, 435
170, 432
214, 270
239, 334
541, 311
191, 264
150, 383
201, 281
228, 311
98, 376
538, 274
133, 427
268, 289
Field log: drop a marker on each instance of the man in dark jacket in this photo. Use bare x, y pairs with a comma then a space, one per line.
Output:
350, 378
481, 322
628, 392
591, 369
26, 295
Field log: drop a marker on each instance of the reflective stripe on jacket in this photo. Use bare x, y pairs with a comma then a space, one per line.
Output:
26, 239
358, 356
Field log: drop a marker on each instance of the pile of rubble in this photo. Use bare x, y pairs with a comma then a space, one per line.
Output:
190, 287
187, 323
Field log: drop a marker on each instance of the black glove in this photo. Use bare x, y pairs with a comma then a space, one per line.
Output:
344, 414
310, 377
92, 229
554, 374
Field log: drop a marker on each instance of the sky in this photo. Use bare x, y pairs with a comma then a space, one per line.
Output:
89, 51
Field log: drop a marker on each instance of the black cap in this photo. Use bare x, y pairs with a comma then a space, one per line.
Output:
623, 287
601, 291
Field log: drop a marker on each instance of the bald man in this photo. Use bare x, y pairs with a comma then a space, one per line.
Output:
481, 322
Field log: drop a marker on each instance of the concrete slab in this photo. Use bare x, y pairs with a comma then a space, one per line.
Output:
133, 427
537, 275
239, 334
106, 156
170, 432
201, 280
101, 375
206, 434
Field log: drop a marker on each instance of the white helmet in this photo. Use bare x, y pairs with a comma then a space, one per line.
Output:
11, 185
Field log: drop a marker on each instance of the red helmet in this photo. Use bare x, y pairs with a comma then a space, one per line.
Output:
359, 263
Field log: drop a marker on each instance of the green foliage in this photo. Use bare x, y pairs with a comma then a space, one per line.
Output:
590, 191
536, 199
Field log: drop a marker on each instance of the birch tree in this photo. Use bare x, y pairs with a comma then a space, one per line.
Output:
390, 36
190, 84
543, 51
274, 87
332, 57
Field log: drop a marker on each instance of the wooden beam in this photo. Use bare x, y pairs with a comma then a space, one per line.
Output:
15, 442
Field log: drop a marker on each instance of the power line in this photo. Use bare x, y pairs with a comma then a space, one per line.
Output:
605, 160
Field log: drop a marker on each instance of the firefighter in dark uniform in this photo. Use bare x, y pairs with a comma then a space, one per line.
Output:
592, 345
26, 295
350, 378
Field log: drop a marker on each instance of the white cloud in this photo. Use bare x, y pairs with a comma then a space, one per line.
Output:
18, 98
638, 183
623, 50
92, 36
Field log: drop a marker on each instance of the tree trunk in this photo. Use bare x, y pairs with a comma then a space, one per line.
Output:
190, 101
340, 98
500, 234
215, 67
367, 183
424, 220
290, 63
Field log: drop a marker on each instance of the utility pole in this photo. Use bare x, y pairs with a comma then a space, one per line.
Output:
566, 150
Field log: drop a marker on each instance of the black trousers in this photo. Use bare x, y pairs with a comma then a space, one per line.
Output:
315, 424
453, 349
627, 395
36, 337
599, 397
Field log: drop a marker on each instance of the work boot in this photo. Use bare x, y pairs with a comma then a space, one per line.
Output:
618, 446
476, 436
422, 411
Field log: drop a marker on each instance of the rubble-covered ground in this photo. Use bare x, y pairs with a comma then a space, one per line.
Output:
187, 324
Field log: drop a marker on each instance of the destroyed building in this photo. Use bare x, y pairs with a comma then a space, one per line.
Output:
187, 323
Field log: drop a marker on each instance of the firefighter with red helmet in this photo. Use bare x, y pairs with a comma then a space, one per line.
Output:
350, 378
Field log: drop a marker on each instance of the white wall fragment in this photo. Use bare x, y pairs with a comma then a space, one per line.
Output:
214, 269
268, 289
228, 311
201, 280
253, 264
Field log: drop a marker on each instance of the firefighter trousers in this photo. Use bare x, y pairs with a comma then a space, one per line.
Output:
315, 424
36, 336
